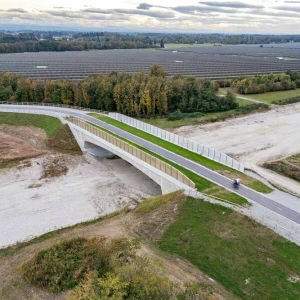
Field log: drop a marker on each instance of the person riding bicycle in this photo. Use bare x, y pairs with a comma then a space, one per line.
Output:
236, 182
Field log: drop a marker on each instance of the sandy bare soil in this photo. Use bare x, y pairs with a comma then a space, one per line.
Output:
255, 139
58, 189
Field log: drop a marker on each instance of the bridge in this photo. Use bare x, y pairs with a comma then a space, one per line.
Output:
166, 179
169, 178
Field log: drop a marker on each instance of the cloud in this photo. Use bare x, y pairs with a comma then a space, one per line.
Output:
233, 4
17, 10
144, 6
288, 8
196, 9
148, 13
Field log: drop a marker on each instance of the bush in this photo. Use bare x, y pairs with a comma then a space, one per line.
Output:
178, 115
287, 101
65, 265
253, 107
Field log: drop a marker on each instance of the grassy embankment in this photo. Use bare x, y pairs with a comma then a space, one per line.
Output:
244, 256
49, 124
203, 185
289, 167
247, 180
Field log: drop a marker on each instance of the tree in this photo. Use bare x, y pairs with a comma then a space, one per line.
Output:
158, 71
145, 102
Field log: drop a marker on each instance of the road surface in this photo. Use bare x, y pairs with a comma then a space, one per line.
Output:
202, 171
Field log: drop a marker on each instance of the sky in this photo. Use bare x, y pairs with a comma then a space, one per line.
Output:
216, 16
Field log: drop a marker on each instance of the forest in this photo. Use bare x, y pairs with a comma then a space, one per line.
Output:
136, 94
34, 41
267, 83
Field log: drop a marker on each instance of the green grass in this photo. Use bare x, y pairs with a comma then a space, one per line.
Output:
153, 203
260, 187
50, 125
272, 96
202, 185
233, 249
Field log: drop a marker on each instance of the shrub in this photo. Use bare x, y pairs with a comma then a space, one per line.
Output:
287, 101
176, 115
253, 107
64, 265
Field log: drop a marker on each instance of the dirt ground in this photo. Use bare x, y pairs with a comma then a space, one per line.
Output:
255, 139
129, 225
14, 145
57, 189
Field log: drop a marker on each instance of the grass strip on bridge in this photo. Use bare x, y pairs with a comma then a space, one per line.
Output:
203, 185
206, 162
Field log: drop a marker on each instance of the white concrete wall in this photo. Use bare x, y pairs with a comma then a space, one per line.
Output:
212, 154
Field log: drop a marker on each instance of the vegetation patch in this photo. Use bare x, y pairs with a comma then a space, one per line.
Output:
245, 257
287, 101
104, 269
53, 168
164, 123
64, 140
151, 204
64, 265
289, 167
270, 97
267, 83
254, 107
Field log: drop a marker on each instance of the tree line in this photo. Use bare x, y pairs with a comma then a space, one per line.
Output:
34, 41
267, 83
136, 94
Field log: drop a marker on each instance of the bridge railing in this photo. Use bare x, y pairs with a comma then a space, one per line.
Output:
145, 157
181, 141
53, 105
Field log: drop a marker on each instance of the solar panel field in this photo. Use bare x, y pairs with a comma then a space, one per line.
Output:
214, 62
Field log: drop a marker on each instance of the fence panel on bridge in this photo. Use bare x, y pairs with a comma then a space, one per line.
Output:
145, 157
212, 154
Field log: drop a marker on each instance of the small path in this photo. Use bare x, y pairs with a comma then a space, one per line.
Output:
249, 99
238, 96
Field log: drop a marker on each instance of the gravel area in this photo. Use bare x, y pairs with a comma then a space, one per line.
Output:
255, 139
31, 206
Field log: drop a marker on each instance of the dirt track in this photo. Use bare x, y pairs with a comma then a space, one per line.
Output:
255, 139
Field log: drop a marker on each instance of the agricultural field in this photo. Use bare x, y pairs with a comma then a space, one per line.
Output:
214, 62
